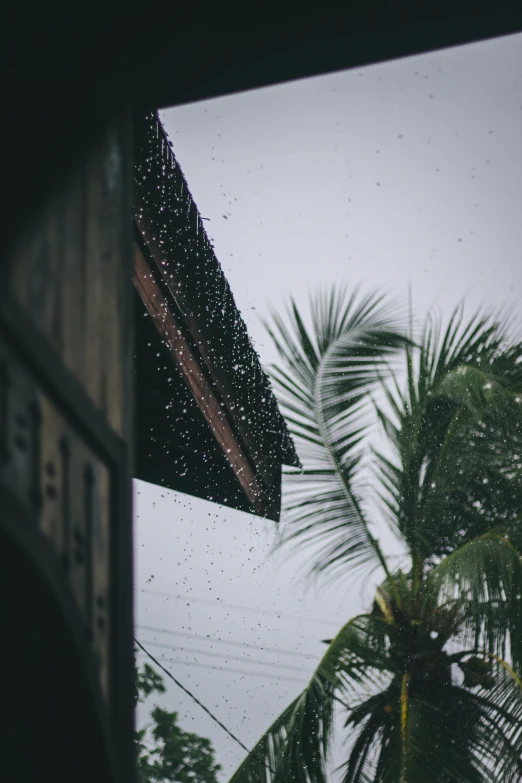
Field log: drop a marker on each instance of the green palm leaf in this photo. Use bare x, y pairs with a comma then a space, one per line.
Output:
448, 735
458, 738
457, 435
323, 386
296, 747
424, 681
484, 577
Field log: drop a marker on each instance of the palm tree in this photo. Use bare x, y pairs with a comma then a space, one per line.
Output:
422, 679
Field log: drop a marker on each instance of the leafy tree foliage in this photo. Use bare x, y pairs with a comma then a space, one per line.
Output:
165, 752
423, 678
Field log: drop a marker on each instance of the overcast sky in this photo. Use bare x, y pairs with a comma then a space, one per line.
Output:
396, 175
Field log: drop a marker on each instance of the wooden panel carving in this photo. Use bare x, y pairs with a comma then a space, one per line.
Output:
68, 488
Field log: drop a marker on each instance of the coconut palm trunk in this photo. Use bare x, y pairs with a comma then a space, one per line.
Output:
429, 679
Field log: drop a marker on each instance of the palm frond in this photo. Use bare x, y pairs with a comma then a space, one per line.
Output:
449, 736
323, 387
457, 436
424, 679
484, 578
361, 762
455, 739
503, 707
296, 746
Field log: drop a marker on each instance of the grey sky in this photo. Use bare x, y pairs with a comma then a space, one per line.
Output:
408, 173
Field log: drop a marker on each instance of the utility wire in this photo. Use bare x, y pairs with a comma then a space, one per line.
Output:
194, 698
217, 602
215, 640
252, 674
209, 713
225, 657
229, 670
213, 717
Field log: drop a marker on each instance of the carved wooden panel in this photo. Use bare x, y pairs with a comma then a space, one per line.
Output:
66, 419
54, 473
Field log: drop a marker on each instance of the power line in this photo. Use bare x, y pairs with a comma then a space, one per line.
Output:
211, 714
217, 602
228, 670
194, 698
230, 643
242, 659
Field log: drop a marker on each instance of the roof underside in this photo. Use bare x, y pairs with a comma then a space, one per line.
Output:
222, 52
175, 448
